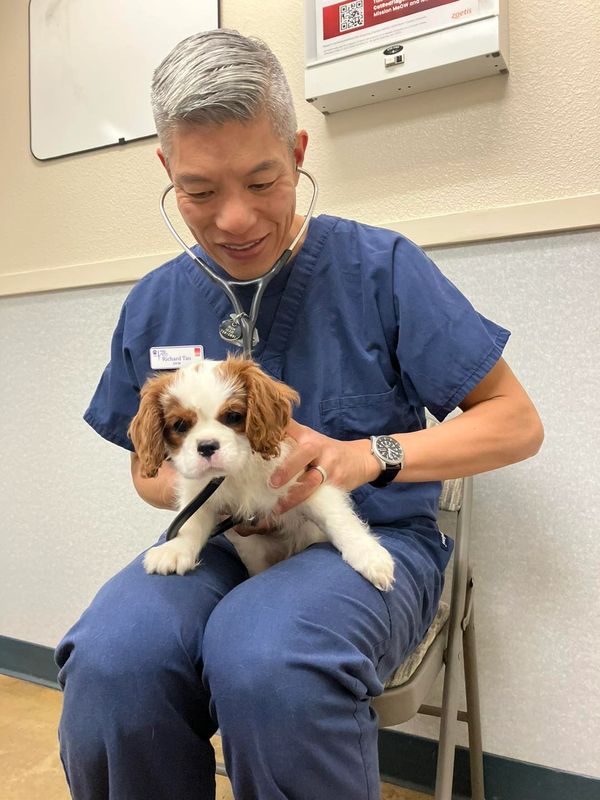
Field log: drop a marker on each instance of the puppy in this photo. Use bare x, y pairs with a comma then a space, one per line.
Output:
217, 418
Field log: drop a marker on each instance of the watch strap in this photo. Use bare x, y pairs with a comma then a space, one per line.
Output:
386, 477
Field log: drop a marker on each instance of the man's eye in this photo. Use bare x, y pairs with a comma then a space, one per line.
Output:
233, 418
260, 187
180, 426
199, 195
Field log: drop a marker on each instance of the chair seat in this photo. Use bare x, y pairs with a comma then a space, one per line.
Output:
409, 666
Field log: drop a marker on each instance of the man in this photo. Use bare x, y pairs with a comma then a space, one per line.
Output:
369, 332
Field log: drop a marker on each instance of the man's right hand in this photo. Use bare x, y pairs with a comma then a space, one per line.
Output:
262, 526
158, 491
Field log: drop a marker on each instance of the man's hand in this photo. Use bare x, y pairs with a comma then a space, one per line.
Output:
158, 491
263, 526
347, 464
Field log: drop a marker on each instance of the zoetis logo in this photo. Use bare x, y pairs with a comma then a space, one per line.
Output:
464, 13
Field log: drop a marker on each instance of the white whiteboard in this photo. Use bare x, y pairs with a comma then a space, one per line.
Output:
91, 65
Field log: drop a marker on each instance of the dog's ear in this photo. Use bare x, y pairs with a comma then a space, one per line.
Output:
268, 410
268, 405
146, 428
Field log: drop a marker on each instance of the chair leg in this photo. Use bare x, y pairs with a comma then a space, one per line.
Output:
473, 710
448, 726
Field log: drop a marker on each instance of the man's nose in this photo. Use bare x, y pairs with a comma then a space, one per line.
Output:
208, 448
236, 216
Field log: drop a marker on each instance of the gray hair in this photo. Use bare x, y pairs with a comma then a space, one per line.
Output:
219, 76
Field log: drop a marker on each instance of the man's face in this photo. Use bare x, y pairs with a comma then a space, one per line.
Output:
235, 185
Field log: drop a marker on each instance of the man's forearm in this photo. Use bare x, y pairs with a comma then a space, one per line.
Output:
159, 491
486, 437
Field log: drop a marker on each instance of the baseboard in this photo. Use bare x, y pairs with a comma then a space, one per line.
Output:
28, 661
404, 759
410, 761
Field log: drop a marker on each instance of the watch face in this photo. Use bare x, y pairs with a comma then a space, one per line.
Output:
389, 449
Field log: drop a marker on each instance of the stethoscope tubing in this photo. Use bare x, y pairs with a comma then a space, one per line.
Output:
194, 505
247, 324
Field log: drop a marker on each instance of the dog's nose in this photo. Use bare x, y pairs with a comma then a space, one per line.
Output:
206, 449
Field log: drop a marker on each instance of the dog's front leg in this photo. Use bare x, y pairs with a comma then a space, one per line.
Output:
331, 510
180, 554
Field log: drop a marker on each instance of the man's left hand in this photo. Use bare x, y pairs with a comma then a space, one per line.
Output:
346, 464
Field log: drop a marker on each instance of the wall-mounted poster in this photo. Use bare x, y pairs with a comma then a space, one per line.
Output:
360, 52
344, 28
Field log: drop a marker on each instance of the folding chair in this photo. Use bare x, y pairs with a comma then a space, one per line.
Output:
450, 642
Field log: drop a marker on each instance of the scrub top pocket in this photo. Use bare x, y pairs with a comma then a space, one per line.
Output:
366, 415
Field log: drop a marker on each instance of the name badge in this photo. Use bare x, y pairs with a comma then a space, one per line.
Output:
175, 357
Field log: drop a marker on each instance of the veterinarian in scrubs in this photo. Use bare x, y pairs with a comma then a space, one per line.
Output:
370, 333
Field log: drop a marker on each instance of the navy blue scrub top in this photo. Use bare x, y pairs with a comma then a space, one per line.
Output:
361, 323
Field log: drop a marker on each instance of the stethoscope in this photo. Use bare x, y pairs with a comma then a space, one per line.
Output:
240, 328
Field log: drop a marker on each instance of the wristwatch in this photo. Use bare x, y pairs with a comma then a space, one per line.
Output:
390, 455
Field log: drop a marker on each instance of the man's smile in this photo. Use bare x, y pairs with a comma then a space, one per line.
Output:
245, 250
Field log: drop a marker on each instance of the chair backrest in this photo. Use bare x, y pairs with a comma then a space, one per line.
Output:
451, 497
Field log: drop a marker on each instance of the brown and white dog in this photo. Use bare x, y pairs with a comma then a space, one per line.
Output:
228, 418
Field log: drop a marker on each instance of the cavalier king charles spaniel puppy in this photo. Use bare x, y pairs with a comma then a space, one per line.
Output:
216, 418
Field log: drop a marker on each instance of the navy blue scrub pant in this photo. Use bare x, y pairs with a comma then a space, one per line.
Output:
283, 663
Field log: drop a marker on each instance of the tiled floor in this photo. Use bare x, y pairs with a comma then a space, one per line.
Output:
29, 762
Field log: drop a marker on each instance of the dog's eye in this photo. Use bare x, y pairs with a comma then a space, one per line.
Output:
180, 426
233, 418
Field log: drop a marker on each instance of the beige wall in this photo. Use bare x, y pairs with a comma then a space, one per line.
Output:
494, 157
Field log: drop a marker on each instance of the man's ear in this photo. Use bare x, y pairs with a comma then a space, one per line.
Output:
164, 162
300, 148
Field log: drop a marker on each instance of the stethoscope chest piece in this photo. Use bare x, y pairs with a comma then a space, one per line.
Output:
231, 331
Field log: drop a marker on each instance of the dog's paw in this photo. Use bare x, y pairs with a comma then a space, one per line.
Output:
174, 556
374, 563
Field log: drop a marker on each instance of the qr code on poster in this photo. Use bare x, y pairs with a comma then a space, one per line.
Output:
352, 15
